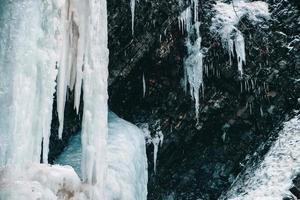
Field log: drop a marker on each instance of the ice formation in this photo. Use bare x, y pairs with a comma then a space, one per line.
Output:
193, 66
193, 63
127, 161
36, 37
40, 181
185, 20
272, 178
225, 22
27, 80
132, 9
156, 140
144, 85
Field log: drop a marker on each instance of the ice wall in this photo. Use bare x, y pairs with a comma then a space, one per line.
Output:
27, 80
36, 38
272, 178
126, 158
226, 20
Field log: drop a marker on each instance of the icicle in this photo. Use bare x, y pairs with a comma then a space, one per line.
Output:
144, 85
84, 59
252, 84
225, 22
132, 9
193, 65
94, 124
261, 111
239, 44
195, 3
185, 20
156, 141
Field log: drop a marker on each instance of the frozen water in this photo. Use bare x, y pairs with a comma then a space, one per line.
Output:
132, 9
126, 159
272, 178
126, 169
156, 140
40, 181
36, 37
193, 62
27, 80
225, 22
193, 66
144, 85
185, 20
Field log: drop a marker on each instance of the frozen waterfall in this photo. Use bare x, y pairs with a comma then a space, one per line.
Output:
36, 39
27, 80
126, 159
193, 62
126, 169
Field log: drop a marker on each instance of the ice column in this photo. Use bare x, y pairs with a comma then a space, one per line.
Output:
193, 63
27, 80
94, 127
193, 66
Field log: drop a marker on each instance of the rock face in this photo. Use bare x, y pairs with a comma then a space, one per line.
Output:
199, 160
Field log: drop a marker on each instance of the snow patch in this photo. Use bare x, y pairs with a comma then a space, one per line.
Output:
40, 181
272, 178
225, 22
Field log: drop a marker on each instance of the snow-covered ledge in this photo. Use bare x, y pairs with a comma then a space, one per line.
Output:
272, 178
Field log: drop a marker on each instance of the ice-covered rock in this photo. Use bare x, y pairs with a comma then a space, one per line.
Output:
127, 173
272, 178
228, 16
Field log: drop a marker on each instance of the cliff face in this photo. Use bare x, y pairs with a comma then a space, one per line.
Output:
200, 159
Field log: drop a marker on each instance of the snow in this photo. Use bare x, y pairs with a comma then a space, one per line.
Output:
40, 181
126, 159
272, 178
225, 22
